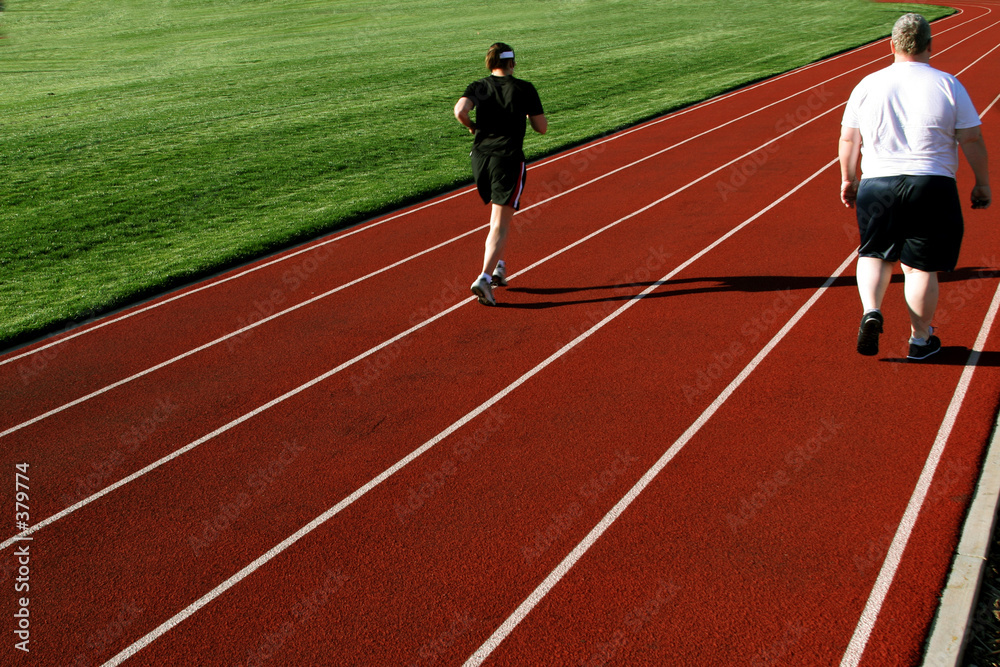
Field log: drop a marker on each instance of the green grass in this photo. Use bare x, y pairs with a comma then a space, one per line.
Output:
148, 142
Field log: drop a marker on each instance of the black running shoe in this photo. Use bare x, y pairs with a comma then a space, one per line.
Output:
871, 327
918, 352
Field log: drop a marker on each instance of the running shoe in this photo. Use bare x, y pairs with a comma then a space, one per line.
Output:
499, 277
871, 327
918, 352
482, 289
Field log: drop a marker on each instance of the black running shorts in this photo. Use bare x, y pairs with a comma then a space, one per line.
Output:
499, 179
913, 219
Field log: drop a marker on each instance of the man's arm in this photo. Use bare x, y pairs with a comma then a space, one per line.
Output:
974, 148
539, 123
462, 109
850, 155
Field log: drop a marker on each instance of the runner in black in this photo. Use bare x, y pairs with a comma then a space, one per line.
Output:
502, 103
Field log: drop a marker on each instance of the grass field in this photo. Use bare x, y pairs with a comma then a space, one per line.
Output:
148, 142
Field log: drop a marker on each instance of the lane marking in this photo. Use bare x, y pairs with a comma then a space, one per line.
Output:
339, 235
536, 596
249, 569
297, 390
253, 325
234, 334
863, 630
493, 400
243, 330
873, 607
343, 234
574, 556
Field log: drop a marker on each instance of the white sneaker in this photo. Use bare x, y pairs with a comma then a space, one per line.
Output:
499, 277
484, 291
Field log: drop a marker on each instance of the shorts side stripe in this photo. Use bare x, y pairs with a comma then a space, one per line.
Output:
515, 199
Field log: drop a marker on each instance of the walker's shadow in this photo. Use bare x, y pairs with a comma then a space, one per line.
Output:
954, 355
721, 284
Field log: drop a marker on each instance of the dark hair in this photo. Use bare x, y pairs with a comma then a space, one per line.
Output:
493, 59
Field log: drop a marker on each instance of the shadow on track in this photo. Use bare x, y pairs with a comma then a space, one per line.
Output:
954, 355
709, 285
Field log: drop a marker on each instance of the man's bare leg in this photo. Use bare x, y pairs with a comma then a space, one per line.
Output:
874, 276
921, 291
496, 241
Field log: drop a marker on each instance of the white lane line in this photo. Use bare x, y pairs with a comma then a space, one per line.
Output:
399, 465
990, 106
340, 235
253, 325
360, 357
363, 355
979, 32
234, 334
560, 571
602, 526
969, 66
285, 544
862, 632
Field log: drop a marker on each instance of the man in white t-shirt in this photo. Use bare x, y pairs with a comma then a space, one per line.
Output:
906, 123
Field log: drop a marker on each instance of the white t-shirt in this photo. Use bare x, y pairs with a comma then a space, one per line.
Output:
908, 114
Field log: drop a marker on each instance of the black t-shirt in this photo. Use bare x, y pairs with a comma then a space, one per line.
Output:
501, 103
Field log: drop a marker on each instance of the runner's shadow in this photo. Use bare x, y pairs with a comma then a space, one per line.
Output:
709, 285
952, 355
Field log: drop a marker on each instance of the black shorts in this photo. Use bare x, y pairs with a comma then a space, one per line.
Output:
499, 179
913, 219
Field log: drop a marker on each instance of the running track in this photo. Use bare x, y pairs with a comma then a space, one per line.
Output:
660, 449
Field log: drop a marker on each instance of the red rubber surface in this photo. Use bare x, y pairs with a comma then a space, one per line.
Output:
758, 542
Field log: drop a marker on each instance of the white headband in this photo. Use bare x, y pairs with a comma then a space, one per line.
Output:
506, 54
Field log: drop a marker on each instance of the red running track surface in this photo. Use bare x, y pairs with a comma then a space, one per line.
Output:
661, 447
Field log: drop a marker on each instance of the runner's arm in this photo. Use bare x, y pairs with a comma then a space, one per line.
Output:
850, 154
539, 123
462, 109
974, 148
